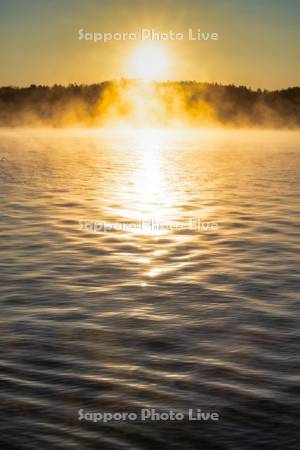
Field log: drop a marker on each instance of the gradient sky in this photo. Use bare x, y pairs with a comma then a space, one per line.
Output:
258, 45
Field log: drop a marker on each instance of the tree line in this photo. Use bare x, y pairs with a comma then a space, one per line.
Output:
193, 102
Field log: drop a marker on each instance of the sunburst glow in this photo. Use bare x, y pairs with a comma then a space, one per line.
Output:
150, 62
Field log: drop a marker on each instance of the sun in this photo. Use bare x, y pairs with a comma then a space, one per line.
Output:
150, 62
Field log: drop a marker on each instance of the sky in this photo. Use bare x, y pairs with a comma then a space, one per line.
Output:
258, 42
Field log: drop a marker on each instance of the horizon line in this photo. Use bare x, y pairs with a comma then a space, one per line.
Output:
135, 80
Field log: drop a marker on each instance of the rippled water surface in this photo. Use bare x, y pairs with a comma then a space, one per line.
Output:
114, 298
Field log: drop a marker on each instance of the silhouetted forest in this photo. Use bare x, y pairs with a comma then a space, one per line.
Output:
168, 102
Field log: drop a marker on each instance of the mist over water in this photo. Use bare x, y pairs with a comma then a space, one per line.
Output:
137, 103
174, 318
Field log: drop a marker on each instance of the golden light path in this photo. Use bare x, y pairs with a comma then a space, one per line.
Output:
152, 197
150, 190
149, 196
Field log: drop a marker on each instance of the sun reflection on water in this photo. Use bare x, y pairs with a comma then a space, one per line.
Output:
150, 184
148, 196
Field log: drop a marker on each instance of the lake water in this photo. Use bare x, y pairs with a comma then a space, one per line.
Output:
149, 269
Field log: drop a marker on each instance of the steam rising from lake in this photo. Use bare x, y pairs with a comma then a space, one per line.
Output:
149, 104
